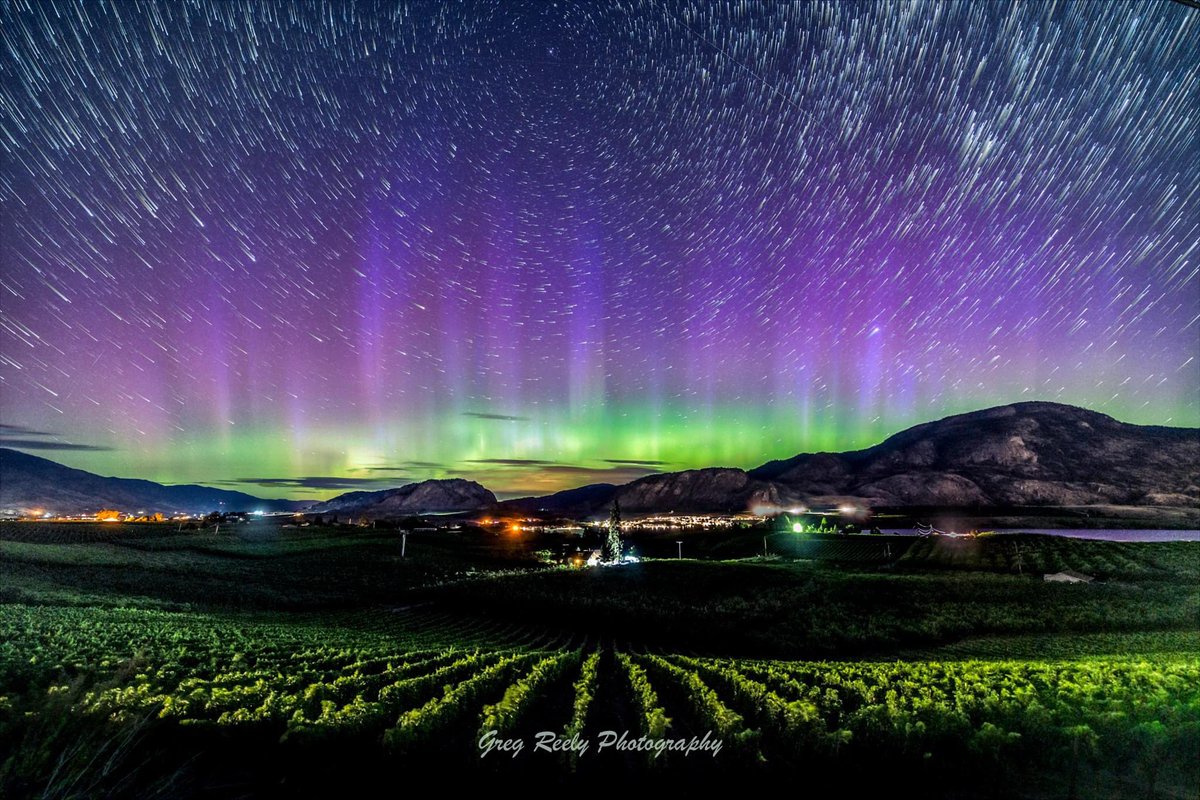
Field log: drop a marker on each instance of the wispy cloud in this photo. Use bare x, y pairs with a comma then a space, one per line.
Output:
319, 482
24, 438
618, 472
516, 477
487, 415
607, 473
21, 430
39, 444
403, 466
636, 461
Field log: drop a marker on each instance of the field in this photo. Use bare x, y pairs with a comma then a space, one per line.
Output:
144, 661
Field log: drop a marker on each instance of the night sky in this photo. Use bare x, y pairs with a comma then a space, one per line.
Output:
301, 249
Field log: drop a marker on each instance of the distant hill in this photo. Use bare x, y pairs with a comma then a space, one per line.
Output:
426, 497
693, 491
1025, 454
718, 489
576, 502
31, 482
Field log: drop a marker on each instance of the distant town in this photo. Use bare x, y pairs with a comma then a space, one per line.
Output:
834, 520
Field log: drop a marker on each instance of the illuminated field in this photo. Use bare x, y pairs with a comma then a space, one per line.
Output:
347, 663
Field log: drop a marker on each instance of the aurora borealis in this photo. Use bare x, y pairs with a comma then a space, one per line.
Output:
299, 248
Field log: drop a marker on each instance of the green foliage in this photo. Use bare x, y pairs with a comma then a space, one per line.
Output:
999, 669
652, 719
504, 716
583, 691
796, 724
754, 607
706, 706
417, 726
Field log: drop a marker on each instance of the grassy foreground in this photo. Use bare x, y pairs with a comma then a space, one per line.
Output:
138, 661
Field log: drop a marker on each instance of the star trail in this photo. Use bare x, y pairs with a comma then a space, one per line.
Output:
298, 248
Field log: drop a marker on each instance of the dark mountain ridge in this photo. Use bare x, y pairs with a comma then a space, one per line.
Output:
1023, 454
1034, 453
1019, 455
30, 482
426, 497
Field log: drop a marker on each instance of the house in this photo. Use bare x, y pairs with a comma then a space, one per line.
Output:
1068, 576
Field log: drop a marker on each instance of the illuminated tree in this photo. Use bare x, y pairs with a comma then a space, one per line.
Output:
610, 551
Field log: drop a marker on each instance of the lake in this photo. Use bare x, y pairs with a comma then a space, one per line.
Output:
1114, 535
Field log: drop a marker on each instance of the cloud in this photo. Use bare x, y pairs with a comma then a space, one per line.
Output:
636, 461
319, 482
38, 444
514, 477
619, 472
20, 430
404, 466
605, 473
502, 417
565, 476
16, 436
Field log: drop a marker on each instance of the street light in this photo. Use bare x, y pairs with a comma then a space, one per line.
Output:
679, 545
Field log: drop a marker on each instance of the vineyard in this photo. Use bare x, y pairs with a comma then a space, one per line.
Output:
143, 661
1036, 554
428, 690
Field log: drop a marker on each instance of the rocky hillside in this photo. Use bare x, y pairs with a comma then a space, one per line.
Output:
1026, 454
696, 490
1021, 454
578, 502
426, 497
716, 489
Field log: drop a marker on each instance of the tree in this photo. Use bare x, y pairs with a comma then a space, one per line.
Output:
610, 551
1019, 557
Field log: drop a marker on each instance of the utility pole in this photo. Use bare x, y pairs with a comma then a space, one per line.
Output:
403, 543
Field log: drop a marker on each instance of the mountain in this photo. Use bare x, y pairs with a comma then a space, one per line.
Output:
1025, 454
30, 482
717, 489
577, 502
693, 491
426, 497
